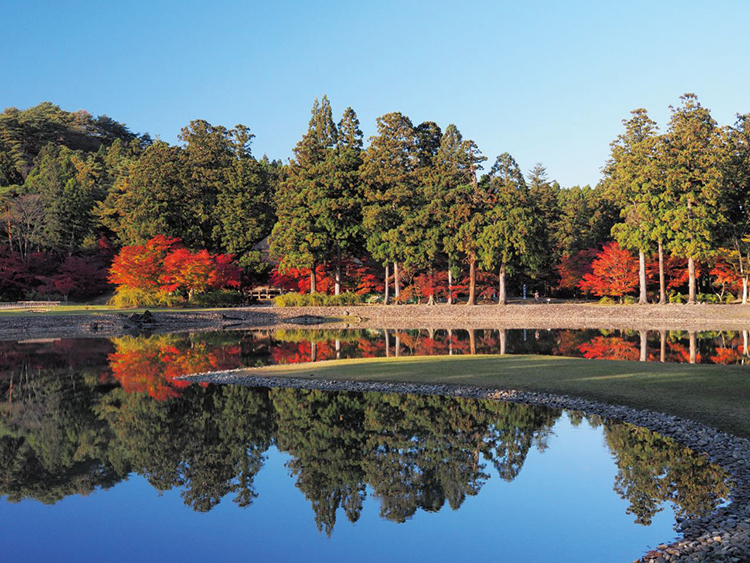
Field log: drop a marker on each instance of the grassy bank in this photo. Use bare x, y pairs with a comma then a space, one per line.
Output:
715, 395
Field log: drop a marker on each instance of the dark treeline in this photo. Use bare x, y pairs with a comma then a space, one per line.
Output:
71, 427
417, 214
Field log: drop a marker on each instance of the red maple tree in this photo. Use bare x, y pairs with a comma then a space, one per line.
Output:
614, 272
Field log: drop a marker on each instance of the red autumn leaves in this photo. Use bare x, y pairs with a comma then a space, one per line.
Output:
164, 264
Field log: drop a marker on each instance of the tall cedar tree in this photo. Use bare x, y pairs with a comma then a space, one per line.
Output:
421, 236
244, 213
388, 173
509, 237
736, 247
692, 164
632, 182
305, 227
544, 201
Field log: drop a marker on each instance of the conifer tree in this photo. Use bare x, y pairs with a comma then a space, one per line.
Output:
632, 182
736, 171
388, 175
298, 239
507, 239
693, 184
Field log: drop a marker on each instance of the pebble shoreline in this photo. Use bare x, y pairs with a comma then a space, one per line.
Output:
723, 536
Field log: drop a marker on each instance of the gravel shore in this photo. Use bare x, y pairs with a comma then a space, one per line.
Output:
516, 315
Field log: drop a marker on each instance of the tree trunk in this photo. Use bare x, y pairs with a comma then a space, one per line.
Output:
744, 342
662, 281
643, 298
313, 351
313, 289
663, 346
693, 346
502, 298
472, 341
691, 284
450, 341
387, 344
386, 299
744, 290
431, 300
450, 287
396, 281
338, 349
644, 345
337, 286
502, 341
398, 345
472, 281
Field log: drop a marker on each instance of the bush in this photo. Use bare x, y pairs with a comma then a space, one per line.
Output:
677, 298
126, 297
708, 298
316, 300
218, 298
606, 301
729, 298
629, 300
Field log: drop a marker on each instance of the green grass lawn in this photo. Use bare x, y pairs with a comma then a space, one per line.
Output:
712, 394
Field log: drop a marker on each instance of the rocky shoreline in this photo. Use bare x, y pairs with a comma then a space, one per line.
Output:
516, 315
723, 536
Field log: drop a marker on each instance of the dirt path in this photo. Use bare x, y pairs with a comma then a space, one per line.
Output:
532, 316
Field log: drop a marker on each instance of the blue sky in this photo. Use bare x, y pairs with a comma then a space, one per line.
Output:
547, 81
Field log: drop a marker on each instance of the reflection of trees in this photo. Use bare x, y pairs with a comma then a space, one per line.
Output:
209, 441
68, 430
52, 444
609, 348
653, 469
416, 452
152, 363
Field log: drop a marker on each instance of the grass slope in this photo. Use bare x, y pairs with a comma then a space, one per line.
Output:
712, 394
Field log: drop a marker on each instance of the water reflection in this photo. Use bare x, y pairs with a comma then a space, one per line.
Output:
72, 428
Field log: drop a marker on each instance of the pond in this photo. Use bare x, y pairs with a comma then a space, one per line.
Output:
105, 455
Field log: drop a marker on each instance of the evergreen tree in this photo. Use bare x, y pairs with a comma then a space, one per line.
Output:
632, 182
388, 173
300, 239
692, 165
545, 205
507, 239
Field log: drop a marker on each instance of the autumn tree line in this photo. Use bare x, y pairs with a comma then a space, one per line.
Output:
416, 214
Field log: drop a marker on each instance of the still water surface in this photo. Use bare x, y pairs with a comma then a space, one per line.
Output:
105, 456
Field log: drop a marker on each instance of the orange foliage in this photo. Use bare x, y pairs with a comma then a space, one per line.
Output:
609, 348
614, 272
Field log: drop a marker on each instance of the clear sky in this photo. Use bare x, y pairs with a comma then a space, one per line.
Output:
547, 81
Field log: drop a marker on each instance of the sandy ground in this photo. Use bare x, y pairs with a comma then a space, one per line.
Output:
516, 315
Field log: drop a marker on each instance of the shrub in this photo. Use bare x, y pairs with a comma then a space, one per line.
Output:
629, 300
708, 298
127, 297
606, 301
218, 298
677, 298
316, 300
729, 299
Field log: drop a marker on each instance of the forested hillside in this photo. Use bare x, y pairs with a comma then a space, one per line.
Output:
416, 213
